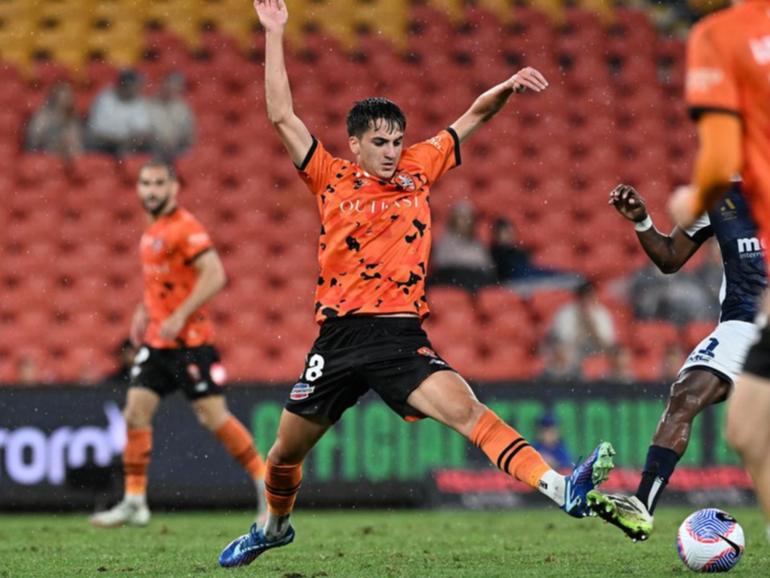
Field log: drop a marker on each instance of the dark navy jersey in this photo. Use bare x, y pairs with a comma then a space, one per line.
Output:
744, 280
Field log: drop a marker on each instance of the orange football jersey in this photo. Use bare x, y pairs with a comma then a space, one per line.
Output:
728, 69
168, 249
375, 234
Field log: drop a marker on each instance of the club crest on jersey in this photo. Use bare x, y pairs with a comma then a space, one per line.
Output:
301, 391
405, 182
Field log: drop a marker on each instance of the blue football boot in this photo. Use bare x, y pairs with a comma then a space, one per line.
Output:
585, 477
244, 550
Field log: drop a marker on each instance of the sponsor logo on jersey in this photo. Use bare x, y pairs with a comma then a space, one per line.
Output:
750, 247
301, 391
359, 206
760, 48
427, 352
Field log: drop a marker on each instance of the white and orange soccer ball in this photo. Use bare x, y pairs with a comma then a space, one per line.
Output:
710, 540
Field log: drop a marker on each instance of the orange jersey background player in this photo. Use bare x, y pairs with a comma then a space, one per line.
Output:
182, 272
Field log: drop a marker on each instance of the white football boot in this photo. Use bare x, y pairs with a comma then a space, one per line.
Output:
129, 511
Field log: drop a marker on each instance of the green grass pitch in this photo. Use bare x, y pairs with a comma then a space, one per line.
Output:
370, 544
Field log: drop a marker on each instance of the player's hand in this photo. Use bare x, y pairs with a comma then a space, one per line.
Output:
628, 203
171, 326
527, 78
272, 13
138, 326
683, 207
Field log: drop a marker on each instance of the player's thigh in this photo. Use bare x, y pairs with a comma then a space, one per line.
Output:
211, 411
696, 389
141, 405
297, 434
748, 414
446, 397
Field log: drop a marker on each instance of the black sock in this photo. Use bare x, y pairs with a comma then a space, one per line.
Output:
658, 468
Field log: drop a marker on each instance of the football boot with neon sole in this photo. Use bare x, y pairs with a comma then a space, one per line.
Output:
593, 471
625, 512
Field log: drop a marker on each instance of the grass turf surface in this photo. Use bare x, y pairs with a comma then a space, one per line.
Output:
531, 542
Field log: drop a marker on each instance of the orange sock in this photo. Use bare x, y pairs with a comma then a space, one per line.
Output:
240, 444
508, 449
136, 458
281, 486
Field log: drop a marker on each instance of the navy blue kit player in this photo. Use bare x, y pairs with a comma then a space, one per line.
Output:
711, 369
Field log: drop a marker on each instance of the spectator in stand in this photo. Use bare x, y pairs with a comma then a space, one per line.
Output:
549, 443
680, 298
173, 122
119, 122
514, 263
55, 127
621, 369
459, 256
580, 329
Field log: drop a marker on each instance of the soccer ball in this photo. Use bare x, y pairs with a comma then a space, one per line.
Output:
710, 540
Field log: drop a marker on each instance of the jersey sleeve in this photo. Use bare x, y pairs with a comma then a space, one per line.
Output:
193, 240
437, 155
700, 230
711, 77
318, 168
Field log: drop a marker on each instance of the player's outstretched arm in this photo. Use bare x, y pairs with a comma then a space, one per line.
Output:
489, 104
280, 108
211, 280
668, 252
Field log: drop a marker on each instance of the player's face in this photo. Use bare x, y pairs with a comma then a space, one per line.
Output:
379, 149
157, 190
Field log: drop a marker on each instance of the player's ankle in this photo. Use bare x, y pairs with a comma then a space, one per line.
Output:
136, 499
552, 485
276, 526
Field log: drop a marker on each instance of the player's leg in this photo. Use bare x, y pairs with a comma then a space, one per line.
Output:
705, 379
447, 398
694, 391
141, 405
296, 437
748, 419
212, 413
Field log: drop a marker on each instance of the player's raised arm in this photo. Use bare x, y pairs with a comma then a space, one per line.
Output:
668, 252
211, 280
280, 109
489, 103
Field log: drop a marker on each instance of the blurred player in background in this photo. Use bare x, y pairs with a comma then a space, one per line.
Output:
373, 251
182, 272
708, 375
728, 92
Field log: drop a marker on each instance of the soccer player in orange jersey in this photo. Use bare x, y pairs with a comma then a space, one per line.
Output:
370, 300
172, 329
728, 91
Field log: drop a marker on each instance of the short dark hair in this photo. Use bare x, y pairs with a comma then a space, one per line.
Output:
365, 113
160, 164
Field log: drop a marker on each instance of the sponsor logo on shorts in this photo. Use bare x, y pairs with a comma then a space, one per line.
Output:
194, 372
218, 374
301, 391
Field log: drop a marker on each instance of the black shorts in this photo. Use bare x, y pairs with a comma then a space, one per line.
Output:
758, 358
391, 355
194, 370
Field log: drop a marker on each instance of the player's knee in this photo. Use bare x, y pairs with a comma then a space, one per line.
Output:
464, 416
685, 400
136, 418
283, 454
